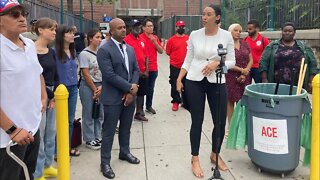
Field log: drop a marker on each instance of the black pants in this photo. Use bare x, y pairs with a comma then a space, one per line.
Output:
10, 169
174, 73
196, 92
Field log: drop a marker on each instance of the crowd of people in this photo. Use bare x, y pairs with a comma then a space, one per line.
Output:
118, 77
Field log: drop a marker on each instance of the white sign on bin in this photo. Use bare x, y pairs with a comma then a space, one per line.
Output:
270, 136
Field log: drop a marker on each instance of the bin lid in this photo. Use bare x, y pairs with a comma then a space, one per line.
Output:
267, 90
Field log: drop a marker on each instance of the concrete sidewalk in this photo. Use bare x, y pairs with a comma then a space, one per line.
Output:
163, 146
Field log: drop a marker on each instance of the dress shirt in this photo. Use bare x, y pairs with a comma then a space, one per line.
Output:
123, 50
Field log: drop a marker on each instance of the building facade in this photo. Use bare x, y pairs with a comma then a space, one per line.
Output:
126, 9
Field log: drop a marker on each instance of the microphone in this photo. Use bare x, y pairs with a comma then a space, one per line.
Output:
222, 52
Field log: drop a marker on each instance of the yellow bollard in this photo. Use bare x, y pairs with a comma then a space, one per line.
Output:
61, 97
315, 137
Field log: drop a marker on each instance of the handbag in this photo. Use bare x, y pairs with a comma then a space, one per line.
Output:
95, 109
76, 139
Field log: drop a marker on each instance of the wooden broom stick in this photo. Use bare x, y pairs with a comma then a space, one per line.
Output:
302, 78
300, 74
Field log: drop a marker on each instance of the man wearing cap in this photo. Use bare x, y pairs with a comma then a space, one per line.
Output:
138, 45
22, 91
153, 46
176, 48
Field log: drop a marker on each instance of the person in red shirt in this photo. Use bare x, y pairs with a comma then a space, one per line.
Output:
138, 45
257, 43
176, 48
153, 45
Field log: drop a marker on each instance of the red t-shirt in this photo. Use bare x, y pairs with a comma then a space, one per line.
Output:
257, 48
151, 51
138, 45
176, 48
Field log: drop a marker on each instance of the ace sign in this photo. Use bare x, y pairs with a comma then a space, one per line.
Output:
270, 136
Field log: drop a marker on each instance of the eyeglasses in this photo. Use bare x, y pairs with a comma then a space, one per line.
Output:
16, 13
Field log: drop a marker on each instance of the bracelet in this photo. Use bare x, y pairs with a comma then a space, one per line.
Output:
241, 70
16, 133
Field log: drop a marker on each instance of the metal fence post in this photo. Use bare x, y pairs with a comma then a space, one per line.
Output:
61, 11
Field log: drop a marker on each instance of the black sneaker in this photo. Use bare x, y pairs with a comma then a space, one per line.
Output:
151, 110
93, 145
98, 141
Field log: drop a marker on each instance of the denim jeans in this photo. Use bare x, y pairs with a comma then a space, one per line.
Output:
72, 103
47, 141
150, 90
91, 128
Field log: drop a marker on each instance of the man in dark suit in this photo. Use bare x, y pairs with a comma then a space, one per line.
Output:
120, 76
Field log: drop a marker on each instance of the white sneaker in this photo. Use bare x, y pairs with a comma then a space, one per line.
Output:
93, 145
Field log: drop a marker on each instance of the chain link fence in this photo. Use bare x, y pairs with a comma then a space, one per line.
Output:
40, 9
305, 14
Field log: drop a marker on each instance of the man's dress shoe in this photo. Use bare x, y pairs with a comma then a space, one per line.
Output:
129, 157
107, 171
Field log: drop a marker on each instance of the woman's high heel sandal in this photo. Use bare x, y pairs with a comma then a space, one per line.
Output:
196, 169
221, 165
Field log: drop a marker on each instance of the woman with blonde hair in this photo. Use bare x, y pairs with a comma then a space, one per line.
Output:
238, 77
45, 28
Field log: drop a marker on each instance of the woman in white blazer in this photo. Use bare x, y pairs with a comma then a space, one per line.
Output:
201, 62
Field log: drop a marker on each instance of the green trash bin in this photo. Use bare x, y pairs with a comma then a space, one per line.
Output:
274, 126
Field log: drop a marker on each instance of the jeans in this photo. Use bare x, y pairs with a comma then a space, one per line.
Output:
150, 90
91, 128
47, 141
10, 170
255, 74
72, 103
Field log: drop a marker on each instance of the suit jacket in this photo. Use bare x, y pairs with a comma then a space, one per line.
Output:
115, 81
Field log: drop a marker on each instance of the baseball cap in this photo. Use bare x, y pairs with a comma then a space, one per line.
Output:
135, 22
180, 23
6, 5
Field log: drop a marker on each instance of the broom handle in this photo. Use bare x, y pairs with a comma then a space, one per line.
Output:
300, 74
302, 78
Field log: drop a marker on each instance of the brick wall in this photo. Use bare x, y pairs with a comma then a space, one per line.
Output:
171, 7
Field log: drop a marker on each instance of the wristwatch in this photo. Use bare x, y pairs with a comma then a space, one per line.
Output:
11, 129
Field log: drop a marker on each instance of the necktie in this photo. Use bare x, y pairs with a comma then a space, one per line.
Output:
125, 59
121, 48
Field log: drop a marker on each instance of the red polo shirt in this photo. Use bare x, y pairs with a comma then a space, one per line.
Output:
138, 45
151, 51
257, 48
176, 48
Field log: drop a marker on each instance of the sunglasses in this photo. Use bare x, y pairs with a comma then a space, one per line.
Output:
16, 13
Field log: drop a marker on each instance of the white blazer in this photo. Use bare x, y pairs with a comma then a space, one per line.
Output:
202, 50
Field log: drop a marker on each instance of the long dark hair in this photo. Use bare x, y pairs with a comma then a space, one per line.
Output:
61, 30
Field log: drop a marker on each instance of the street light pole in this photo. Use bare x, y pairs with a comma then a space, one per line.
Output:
61, 11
